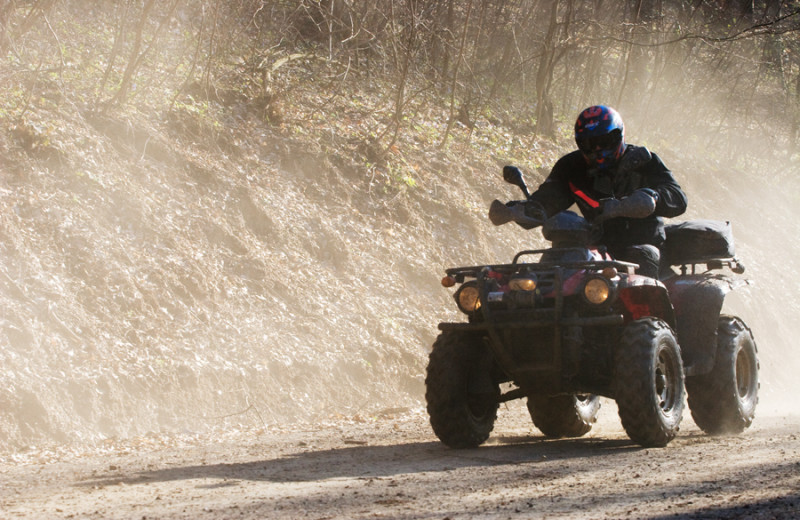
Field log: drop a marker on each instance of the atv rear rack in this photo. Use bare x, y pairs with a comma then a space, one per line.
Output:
711, 264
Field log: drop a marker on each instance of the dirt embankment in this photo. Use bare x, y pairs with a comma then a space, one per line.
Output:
158, 290
156, 280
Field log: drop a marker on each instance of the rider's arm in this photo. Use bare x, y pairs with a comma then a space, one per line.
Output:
671, 200
554, 194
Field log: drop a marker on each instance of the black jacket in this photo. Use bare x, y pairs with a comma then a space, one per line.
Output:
571, 181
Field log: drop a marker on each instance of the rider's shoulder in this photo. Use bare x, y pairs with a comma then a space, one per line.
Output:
568, 167
570, 160
635, 157
634, 150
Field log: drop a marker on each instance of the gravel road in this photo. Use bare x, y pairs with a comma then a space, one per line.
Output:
391, 466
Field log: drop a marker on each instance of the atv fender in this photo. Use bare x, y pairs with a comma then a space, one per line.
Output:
643, 296
697, 300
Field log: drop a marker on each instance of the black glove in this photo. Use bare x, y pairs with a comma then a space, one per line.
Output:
639, 204
526, 214
535, 211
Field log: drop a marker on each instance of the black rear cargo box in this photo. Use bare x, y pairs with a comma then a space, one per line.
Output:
697, 241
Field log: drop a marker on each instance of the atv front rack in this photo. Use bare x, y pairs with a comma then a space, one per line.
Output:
460, 273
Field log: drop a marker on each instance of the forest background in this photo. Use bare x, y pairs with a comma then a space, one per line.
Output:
221, 215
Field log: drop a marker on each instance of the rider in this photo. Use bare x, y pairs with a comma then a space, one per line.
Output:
624, 187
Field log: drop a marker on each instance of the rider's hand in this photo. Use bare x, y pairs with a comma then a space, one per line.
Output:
516, 211
535, 211
609, 208
529, 208
639, 204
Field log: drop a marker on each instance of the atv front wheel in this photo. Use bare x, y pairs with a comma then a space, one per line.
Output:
724, 400
649, 382
462, 398
564, 415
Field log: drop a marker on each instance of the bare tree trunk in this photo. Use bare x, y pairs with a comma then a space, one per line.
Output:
38, 9
133, 61
446, 40
794, 144
195, 59
593, 60
136, 58
742, 11
210, 53
454, 84
544, 106
409, 49
633, 53
7, 7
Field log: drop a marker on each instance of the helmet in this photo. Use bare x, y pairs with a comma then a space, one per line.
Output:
600, 135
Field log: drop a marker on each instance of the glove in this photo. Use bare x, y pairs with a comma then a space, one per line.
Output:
535, 210
526, 214
639, 204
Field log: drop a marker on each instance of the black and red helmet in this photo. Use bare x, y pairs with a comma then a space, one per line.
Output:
600, 136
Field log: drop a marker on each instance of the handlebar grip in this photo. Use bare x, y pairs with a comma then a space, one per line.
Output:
499, 213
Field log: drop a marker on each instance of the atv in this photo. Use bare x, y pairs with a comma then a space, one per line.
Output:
565, 325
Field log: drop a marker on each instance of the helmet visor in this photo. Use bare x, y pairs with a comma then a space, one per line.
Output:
609, 141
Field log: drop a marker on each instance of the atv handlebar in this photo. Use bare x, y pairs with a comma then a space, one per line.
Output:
500, 214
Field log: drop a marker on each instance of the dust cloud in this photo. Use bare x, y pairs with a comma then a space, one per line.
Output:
747, 178
158, 292
763, 216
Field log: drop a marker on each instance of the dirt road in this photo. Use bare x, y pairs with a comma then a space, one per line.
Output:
391, 466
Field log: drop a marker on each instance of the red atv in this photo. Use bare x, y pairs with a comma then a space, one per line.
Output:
567, 324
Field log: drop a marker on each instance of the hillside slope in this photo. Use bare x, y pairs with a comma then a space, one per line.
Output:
153, 279
162, 276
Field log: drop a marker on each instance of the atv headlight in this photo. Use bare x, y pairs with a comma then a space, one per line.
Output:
468, 298
527, 283
597, 290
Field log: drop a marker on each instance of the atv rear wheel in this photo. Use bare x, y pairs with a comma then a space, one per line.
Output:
462, 398
649, 383
564, 415
724, 400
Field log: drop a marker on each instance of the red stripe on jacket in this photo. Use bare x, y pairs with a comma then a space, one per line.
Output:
587, 199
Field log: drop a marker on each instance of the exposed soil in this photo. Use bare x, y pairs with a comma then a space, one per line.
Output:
392, 466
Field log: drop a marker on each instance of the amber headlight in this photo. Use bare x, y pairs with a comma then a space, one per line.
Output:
523, 284
468, 298
597, 290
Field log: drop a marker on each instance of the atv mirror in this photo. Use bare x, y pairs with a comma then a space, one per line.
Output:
513, 175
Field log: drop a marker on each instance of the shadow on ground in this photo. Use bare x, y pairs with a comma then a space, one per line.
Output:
382, 461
